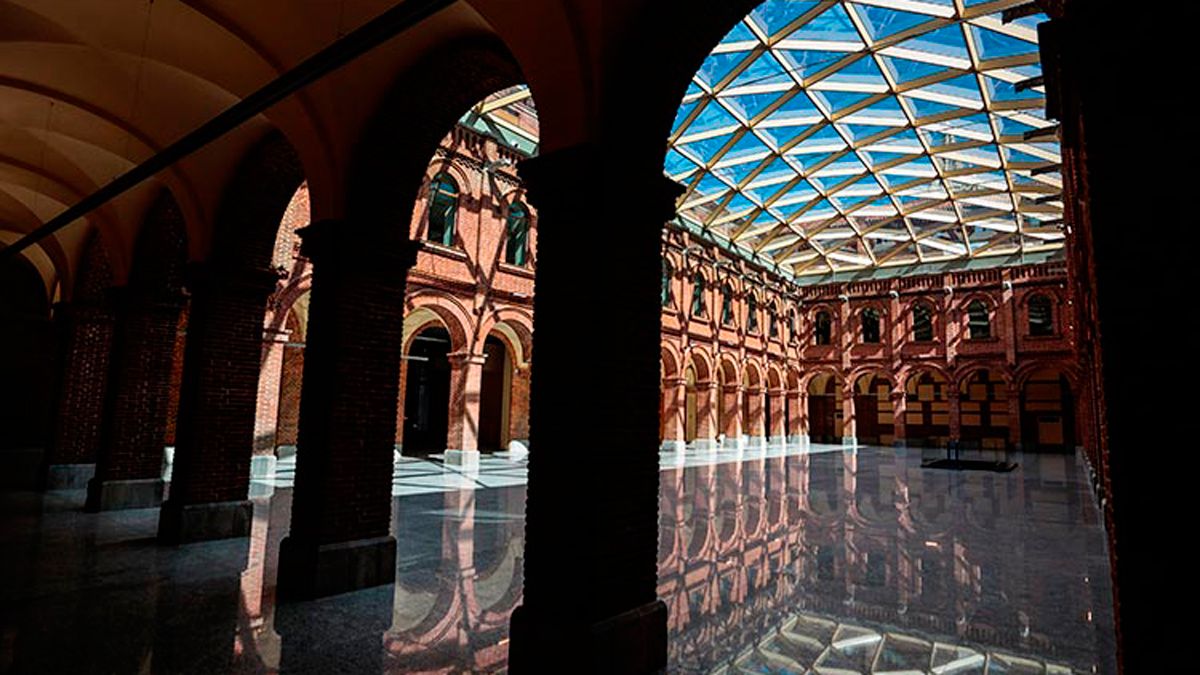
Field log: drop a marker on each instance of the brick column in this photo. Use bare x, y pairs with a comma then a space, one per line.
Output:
341, 513
79, 414
775, 399
753, 405
137, 402
899, 421
674, 411
466, 382
802, 415
266, 419
731, 411
849, 425
1014, 417
706, 414
953, 404
218, 405
600, 524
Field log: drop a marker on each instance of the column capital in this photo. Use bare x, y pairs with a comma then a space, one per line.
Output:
461, 359
229, 277
565, 179
357, 248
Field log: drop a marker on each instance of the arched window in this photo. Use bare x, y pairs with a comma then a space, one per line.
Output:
726, 306
516, 248
870, 326
751, 314
1041, 316
793, 333
443, 206
823, 328
667, 273
979, 324
922, 323
773, 326
698, 308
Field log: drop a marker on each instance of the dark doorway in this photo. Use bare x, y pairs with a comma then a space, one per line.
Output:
427, 393
823, 424
1047, 413
493, 393
866, 417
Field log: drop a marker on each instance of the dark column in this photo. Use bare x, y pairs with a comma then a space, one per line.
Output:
591, 535
86, 334
129, 459
1121, 287
341, 511
214, 437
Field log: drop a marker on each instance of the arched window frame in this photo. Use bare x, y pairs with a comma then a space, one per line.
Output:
870, 321
979, 319
822, 328
923, 323
516, 235
440, 219
727, 315
699, 306
666, 293
751, 313
793, 329
1034, 307
773, 323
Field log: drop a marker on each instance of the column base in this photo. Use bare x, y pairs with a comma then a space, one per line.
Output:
900, 443
263, 466
117, 495
755, 441
849, 440
464, 459
634, 642
703, 444
673, 445
308, 570
69, 476
798, 439
187, 523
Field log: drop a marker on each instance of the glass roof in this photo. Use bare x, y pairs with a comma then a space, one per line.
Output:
830, 136
508, 117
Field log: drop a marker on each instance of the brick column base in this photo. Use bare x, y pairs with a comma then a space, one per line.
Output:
315, 570
632, 642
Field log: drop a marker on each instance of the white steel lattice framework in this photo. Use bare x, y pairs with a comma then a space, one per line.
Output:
825, 136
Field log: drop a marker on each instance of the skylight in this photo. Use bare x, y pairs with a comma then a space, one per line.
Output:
827, 136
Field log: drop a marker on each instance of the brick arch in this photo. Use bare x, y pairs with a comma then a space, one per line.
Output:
807, 379
160, 251
1064, 367
423, 307
775, 378
466, 188
907, 373
254, 203
857, 374
793, 379
514, 325
671, 360
392, 155
729, 369
752, 373
701, 362
964, 373
987, 298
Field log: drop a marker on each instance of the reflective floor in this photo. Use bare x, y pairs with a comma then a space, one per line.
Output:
779, 561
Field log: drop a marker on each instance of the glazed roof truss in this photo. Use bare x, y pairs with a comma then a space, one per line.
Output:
825, 136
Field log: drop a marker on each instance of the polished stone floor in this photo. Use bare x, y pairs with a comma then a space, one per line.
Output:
779, 560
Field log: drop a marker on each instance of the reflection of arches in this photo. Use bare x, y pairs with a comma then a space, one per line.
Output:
927, 409
825, 408
427, 391
1047, 411
873, 409
983, 409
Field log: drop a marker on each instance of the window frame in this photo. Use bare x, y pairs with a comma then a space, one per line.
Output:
822, 328
931, 323
862, 324
986, 320
508, 236
449, 215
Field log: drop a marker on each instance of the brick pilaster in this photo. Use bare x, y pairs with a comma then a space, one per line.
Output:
341, 513
466, 381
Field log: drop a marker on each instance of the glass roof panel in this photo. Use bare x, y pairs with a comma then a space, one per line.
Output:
891, 132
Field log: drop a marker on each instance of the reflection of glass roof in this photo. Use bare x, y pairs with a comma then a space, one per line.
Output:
828, 136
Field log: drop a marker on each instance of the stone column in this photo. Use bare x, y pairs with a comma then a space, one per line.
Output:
129, 460
953, 404
79, 414
899, 418
266, 420
342, 502
466, 382
218, 404
674, 411
849, 425
600, 524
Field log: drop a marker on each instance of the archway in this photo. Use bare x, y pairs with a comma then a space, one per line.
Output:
873, 410
1047, 412
690, 408
494, 394
927, 412
427, 392
825, 408
25, 356
983, 407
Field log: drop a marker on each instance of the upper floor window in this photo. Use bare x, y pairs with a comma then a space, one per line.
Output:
823, 328
979, 323
516, 248
752, 314
698, 308
870, 326
667, 273
792, 332
443, 206
922, 323
773, 325
1041, 316
727, 306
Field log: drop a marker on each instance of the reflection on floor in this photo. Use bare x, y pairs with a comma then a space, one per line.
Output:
771, 561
